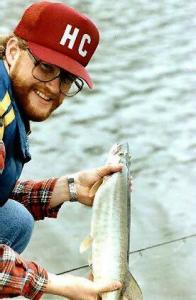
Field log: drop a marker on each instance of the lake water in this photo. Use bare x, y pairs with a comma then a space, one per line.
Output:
145, 90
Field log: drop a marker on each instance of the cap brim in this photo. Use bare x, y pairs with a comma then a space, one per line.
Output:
61, 60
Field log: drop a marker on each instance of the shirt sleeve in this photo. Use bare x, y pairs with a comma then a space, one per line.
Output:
20, 277
36, 196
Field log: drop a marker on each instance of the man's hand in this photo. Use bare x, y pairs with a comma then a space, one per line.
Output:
87, 182
78, 288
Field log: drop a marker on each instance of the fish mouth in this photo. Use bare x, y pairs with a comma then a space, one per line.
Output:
119, 153
120, 149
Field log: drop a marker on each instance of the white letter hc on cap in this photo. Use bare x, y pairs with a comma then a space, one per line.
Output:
72, 38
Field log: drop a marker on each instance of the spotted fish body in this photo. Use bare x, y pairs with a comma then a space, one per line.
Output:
110, 229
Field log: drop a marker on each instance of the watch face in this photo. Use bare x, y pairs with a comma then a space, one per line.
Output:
70, 180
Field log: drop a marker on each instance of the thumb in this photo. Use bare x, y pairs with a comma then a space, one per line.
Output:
108, 287
109, 169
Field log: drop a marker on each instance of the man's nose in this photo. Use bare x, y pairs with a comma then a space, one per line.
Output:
54, 85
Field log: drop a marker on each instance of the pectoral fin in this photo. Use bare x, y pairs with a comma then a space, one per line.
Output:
86, 244
132, 290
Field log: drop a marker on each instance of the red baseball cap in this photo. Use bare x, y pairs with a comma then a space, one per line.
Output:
59, 35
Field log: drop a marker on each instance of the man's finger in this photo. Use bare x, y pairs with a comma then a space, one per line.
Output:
108, 287
108, 170
90, 276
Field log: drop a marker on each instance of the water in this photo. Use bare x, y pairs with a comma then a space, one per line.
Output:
144, 74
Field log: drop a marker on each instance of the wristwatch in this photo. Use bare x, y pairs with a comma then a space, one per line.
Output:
72, 189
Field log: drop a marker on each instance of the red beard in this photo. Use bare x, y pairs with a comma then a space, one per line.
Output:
22, 92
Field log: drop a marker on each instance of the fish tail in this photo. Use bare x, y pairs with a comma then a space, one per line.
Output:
131, 290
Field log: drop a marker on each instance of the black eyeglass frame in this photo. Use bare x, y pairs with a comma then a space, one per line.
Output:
62, 74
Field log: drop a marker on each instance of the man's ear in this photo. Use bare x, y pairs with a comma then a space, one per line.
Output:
12, 51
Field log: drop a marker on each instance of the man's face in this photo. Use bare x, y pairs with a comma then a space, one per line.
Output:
37, 99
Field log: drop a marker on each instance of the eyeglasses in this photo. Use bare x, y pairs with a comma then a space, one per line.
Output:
70, 85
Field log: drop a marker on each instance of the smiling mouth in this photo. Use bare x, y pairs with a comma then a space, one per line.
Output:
43, 96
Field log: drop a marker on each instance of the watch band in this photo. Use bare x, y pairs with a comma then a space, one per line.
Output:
72, 189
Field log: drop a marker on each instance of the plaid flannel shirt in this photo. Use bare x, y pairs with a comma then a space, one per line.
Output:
17, 276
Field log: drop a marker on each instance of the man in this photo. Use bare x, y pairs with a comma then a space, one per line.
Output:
41, 63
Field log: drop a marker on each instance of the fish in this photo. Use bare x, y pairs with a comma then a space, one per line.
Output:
110, 229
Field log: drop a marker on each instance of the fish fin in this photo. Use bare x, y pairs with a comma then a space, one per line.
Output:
132, 290
86, 244
95, 187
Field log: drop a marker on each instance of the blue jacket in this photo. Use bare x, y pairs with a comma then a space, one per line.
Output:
14, 135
